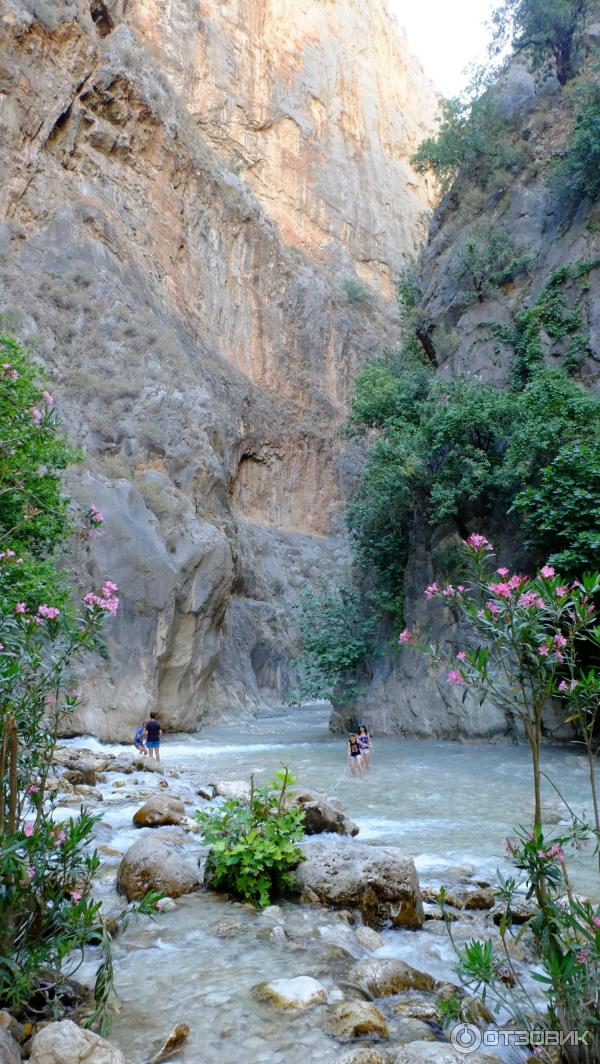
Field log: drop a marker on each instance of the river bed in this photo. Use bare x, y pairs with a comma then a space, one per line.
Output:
450, 805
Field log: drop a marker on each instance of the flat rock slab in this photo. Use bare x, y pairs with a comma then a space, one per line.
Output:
437, 1053
298, 993
380, 881
152, 865
63, 1042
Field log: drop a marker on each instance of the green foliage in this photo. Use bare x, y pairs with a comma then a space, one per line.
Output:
545, 30
487, 260
336, 635
253, 842
358, 294
474, 137
578, 173
550, 315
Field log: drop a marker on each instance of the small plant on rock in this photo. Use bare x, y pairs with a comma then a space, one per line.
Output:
253, 842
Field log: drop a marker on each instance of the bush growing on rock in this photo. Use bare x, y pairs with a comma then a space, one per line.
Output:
253, 842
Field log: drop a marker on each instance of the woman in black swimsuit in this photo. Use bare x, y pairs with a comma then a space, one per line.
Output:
355, 756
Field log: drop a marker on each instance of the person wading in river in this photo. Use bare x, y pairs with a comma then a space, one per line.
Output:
364, 739
355, 756
153, 732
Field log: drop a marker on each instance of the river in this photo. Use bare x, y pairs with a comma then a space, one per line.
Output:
450, 805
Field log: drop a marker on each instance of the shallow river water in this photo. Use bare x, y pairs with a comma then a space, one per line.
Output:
449, 805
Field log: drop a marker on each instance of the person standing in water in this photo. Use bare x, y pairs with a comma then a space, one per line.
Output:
153, 733
138, 739
364, 739
355, 756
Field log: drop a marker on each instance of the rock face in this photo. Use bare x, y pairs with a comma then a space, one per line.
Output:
190, 208
379, 881
65, 1041
152, 865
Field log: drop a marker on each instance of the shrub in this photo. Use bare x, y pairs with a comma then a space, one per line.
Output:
253, 841
336, 638
578, 173
545, 30
487, 260
358, 294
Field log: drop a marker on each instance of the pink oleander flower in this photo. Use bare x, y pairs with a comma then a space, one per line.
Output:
32, 789
563, 686
527, 599
493, 608
462, 655
583, 956
28, 827
406, 637
516, 581
596, 921
501, 590
547, 572
431, 591
75, 693
555, 851
503, 571
48, 699
477, 541
460, 588
51, 612
21, 607
559, 641
95, 515
454, 676
542, 853
559, 657
59, 838
1, 647
561, 591
49, 399
161, 904
30, 873
543, 650
448, 591
75, 896
36, 415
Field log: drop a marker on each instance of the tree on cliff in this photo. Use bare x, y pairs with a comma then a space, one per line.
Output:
543, 29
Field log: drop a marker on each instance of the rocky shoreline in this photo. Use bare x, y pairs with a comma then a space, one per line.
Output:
376, 1009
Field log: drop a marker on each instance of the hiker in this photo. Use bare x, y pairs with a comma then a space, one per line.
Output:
355, 756
153, 732
138, 740
364, 739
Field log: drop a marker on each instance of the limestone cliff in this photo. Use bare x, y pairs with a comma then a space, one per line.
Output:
188, 190
461, 336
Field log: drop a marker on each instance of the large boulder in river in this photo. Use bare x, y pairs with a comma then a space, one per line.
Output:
152, 865
159, 810
323, 814
66, 1043
380, 881
383, 976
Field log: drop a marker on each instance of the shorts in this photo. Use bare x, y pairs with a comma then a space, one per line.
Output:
351, 755
153, 744
139, 745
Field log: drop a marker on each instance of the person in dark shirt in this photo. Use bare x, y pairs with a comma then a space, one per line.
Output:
153, 732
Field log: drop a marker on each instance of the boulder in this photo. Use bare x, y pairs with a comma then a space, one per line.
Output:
363, 1056
82, 771
368, 938
66, 1043
380, 881
436, 1053
350, 1019
324, 814
159, 810
298, 993
152, 865
9, 1048
230, 789
383, 976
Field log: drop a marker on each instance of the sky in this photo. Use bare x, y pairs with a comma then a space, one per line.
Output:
446, 35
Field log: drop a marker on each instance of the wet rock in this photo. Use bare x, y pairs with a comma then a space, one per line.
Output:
152, 865
12, 1025
521, 912
350, 1019
324, 814
363, 1056
180, 1033
92, 793
159, 810
421, 1052
298, 993
230, 789
82, 772
383, 976
129, 763
65, 1041
9, 1048
409, 1029
380, 881
368, 938
427, 1011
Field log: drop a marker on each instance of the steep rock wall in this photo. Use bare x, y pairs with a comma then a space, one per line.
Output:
201, 361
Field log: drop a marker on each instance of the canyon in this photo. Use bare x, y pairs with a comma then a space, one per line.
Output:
204, 211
